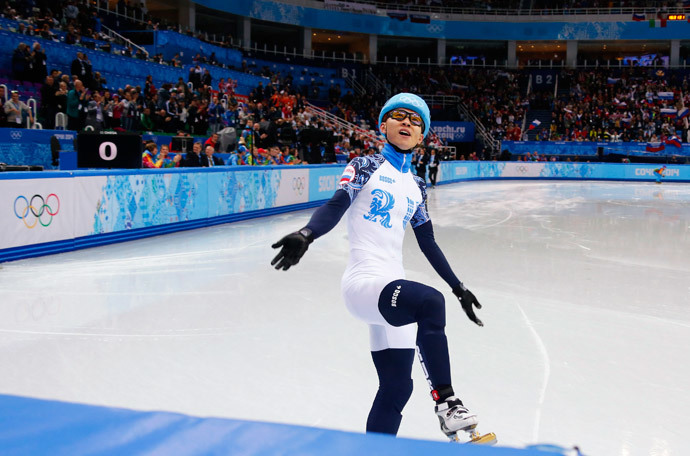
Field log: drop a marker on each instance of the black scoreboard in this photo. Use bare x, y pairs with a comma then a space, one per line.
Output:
109, 150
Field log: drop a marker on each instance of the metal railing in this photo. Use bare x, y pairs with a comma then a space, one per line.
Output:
327, 116
429, 62
123, 12
453, 100
126, 41
372, 80
61, 121
356, 86
487, 10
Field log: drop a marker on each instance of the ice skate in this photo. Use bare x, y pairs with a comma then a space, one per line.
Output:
454, 417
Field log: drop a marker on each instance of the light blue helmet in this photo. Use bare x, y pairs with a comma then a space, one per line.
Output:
408, 101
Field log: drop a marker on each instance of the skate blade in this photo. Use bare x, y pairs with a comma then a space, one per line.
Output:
475, 438
486, 439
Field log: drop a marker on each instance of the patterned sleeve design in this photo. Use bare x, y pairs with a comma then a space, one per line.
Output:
421, 215
358, 172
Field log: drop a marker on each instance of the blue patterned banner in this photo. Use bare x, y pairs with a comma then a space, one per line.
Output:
20, 146
303, 16
589, 149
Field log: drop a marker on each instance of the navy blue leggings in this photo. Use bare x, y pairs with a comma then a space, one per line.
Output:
411, 302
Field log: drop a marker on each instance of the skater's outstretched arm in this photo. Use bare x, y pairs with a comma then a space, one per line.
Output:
354, 177
427, 243
324, 219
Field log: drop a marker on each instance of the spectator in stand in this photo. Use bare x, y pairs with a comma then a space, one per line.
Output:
198, 117
234, 158
146, 121
172, 111
286, 158
81, 67
71, 11
215, 115
3, 116
47, 34
149, 88
195, 76
72, 36
206, 79
48, 108
99, 82
20, 62
193, 159
433, 167
422, 162
212, 141
132, 110
37, 64
94, 115
149, 158
209, 159
165, 160
61, 98
23, 30
17, 111
118, 107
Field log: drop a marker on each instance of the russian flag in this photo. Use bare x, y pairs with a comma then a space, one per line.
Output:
626, 120
668, 112
665, 95
673, 141
683, 113
655, 147
535, 123
612, 81
638, 17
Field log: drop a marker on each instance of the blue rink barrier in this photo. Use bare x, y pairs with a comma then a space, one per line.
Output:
57, 211
41, 427
590, 149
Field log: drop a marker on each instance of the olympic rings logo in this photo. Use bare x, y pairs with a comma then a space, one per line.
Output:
298, 185
16, 134
522, 169
31, 212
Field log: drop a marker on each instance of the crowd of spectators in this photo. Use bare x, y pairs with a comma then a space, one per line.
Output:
274, 121
638, 104
497, 98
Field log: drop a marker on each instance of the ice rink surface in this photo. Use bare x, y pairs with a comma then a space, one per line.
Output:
585, 288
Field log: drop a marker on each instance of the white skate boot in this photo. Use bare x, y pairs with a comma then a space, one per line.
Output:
455, 417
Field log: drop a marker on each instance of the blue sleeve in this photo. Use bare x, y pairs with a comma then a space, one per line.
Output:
421, 215
427, 243
326, 217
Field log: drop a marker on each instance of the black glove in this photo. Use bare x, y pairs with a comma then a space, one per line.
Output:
294, 245
467, 300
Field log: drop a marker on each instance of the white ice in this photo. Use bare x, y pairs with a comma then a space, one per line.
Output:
586, 296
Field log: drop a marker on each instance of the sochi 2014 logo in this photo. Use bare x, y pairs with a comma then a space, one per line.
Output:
37, 209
